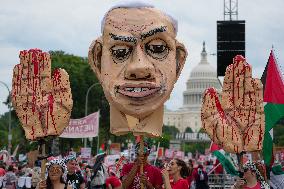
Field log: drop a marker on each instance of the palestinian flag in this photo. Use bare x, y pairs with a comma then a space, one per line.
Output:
102, 148
273, 87
224, 158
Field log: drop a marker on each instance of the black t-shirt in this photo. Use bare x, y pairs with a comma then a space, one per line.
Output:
75, 180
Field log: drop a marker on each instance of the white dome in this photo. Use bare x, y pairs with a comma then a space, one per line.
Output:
202, 77
203, 69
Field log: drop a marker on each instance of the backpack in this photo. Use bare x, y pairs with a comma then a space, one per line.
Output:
201, 180
10, 181
100, 178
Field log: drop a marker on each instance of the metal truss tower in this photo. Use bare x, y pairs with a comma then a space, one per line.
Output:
230, 9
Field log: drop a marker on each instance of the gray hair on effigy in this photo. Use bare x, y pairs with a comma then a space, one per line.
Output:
137, 4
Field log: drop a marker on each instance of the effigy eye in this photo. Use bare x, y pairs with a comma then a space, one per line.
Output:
157, 49
120, 52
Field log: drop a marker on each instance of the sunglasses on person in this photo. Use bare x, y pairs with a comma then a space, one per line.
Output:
55, 170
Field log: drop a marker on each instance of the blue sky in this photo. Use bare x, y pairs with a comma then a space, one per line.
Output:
72, 25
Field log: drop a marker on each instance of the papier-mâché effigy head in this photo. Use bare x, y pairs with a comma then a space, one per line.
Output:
137, 60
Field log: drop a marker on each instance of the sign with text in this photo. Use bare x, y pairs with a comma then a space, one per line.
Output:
193, 137
111, 159
82, 128
170, 153
86, 153
115, 148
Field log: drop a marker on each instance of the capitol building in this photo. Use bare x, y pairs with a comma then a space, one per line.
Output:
201, 77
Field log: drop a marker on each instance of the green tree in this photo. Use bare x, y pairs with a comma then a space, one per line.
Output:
170, 130
188, 130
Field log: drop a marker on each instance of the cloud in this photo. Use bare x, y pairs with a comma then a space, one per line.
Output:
72, 25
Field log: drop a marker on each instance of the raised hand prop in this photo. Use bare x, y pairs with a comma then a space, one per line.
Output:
42, 102
236, 121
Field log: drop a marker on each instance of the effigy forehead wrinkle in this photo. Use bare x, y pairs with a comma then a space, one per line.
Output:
129, 26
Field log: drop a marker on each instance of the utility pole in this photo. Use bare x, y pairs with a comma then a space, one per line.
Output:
86, 109
9, 130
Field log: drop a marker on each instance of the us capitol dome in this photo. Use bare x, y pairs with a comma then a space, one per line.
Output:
201, 77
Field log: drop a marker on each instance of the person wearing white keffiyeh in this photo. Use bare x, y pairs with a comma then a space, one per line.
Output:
253, 178
57, 174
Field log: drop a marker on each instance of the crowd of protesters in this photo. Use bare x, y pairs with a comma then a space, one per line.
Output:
71, 173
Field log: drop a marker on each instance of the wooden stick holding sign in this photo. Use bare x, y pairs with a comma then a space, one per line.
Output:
240, 157
141, 153
43, 161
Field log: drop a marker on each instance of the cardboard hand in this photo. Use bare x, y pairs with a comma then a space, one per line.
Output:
42, 103
236, 122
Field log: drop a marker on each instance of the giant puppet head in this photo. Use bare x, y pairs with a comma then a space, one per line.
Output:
137, 60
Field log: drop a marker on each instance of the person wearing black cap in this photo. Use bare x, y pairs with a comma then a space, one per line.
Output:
151, 176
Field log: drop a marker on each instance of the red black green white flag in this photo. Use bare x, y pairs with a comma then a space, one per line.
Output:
273, 86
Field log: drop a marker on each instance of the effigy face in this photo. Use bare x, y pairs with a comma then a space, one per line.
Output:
137, 60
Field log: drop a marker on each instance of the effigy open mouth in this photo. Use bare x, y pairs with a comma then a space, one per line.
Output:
140, 90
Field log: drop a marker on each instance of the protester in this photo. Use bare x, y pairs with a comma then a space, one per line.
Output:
151, 176
218, 168
98, 179
2, 175
253, 178
11, 178
276, 177
2, 170
201, 178
178, 170
87, 176
56, 176
36, 177
74, 178
112, 182
190, 178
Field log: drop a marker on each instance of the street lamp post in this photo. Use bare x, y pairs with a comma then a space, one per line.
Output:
109, 144
129, 146
86, 110
9, 130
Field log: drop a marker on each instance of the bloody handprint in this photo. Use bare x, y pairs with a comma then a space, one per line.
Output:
42, 102
236, 121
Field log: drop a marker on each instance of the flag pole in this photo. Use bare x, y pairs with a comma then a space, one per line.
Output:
98, 142
141, 154
42, 144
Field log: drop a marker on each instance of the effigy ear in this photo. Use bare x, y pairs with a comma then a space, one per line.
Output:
95, 56
181, 54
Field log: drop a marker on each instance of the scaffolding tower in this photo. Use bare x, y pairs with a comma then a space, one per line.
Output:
230, 9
